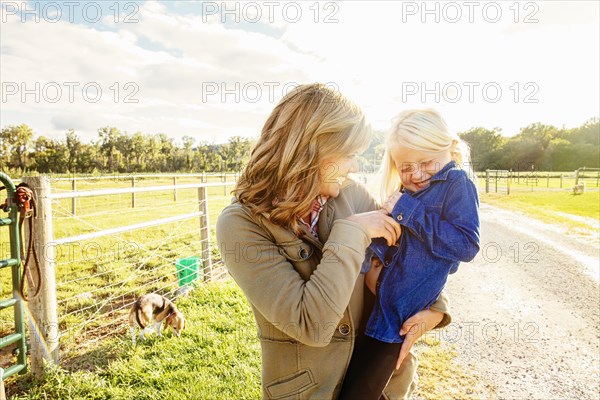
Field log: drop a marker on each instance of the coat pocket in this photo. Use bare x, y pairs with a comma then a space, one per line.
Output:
290, 385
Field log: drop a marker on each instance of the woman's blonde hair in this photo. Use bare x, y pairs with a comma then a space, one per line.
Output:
422, 130
312, 123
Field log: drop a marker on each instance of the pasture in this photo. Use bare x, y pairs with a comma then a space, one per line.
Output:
218, 356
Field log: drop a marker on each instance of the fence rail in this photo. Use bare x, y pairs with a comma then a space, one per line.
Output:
108, 192
505, 181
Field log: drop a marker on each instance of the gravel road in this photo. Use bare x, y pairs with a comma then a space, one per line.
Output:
527, 311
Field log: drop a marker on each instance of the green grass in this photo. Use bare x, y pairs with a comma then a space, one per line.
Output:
97, 279
217, 356
578, 213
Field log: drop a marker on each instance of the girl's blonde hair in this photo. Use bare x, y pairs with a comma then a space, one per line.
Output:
422, 130
312, 123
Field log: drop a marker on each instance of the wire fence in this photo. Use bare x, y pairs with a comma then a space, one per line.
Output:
99, 278
106, 250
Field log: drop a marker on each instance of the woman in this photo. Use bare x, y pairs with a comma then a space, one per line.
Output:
294, 239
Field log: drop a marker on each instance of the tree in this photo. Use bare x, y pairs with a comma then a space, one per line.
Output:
188, 143
50, 155
108, 144
486, 147
74, 146
15, 145
236, 153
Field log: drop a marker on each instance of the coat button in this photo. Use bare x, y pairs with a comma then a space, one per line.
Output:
303, 253
399, 217
344, 329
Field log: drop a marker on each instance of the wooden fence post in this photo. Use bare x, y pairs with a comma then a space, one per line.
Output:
74, 200
496, 182
2, 392
175, 190
133, 194
561, 178
487, 180
205, 233
43, 323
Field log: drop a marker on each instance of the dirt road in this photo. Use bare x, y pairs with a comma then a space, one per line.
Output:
527, 311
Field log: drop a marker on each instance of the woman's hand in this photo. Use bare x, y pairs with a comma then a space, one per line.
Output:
391, 201
415, 327
378, 224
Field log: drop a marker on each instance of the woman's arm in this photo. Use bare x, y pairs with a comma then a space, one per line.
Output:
271, 284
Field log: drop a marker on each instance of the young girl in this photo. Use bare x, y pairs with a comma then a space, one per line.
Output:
427, 175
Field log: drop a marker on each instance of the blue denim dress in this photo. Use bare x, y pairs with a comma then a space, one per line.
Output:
440, 228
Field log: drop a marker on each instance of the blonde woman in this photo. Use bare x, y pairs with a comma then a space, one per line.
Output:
426, 170
294, 239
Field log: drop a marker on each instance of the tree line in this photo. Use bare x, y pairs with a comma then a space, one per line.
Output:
116, 151
536, 147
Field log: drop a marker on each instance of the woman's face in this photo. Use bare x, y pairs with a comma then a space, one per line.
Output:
415, 168
334, 172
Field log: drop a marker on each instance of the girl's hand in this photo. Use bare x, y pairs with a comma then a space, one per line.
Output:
415, 327
391, 201
378, 224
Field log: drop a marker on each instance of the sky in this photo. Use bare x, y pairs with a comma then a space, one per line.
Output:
213, 70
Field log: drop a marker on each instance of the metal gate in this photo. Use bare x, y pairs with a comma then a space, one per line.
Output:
14, 262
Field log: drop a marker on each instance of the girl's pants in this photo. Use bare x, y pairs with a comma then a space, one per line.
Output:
370, 369
372, 363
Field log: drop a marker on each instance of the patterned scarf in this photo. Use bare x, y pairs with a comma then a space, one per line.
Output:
315, 211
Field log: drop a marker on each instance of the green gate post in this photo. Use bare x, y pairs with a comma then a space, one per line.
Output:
15, 263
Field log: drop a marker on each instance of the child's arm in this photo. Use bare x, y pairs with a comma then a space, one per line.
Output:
452, 232
372, 263
373, 274
391, 201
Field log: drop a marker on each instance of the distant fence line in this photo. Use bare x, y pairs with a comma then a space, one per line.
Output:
503, 181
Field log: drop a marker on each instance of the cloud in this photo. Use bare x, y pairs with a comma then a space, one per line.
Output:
181, 71
120, 63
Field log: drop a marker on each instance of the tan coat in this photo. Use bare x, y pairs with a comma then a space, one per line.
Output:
307, 296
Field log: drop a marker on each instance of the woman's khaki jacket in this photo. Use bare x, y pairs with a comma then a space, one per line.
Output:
306, 295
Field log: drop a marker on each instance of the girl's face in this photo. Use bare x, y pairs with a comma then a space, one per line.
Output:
334, 172
415, 168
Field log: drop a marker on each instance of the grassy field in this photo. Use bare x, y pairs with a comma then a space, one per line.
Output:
579, 214
97, 279
218, 356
